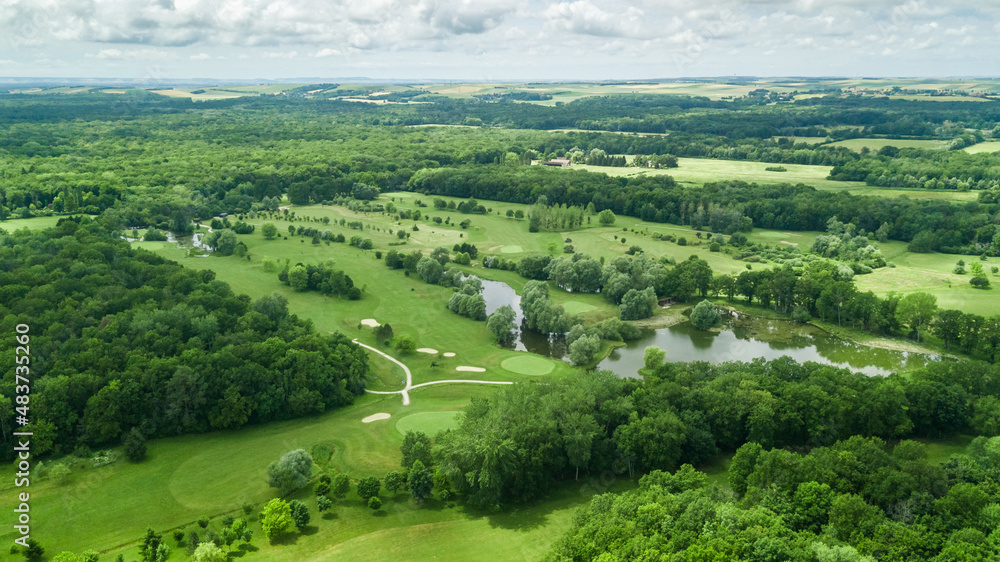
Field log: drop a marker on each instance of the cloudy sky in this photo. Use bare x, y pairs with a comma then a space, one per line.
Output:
473, 40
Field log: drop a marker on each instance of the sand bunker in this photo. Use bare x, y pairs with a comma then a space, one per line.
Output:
376, 417
470, 369
449, 354
427, 350
370, 322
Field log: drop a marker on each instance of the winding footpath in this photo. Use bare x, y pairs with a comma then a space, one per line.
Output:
409, 377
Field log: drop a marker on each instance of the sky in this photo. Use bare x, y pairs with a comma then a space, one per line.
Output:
497, 40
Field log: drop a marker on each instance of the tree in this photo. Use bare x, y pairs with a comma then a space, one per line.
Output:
405, 344
430, 270
135, 445
150, 544
208, 552
979, 279
393, 481
704, 315
416, 447
290, 472
916, 310
653, 357
578, 431
743, 464
375, 503
501, 324
420, 482
298, 278
368, 487
269, 231
225, 243
637, 304
34, 551
606, 217
584, 349
276, 518
300, 513
340, 485
323, 504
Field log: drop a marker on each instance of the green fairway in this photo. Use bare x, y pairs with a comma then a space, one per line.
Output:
528, 365
35, 223
428, 422
934, 274
577, 307
511, 249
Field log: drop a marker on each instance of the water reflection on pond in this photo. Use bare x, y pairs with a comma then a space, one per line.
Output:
684, 342
769, 339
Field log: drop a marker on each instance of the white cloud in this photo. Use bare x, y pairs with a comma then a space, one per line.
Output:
633, 38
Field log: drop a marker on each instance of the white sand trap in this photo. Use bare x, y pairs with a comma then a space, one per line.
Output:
470, 369
449, 354
370, 322
427, 350
376, 417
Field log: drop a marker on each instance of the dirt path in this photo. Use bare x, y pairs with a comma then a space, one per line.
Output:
409, 377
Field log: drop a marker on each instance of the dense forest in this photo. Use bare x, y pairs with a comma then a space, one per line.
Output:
122, 339
857, 499
511, 446
161, 162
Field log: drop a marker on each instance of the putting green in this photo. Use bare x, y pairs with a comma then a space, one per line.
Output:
428, 422
528, 365
511, 250
577, 307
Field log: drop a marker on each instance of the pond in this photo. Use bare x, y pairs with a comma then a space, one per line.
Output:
497, 294
744, 340
770, 339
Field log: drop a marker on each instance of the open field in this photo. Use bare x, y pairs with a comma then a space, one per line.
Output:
207, 95
698, 171
944, 195
934, 274
986, 146
876, 144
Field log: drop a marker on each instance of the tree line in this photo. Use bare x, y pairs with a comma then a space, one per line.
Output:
511, 446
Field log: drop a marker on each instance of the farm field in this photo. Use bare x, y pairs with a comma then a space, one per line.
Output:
876, 144
986, 146
698, 171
